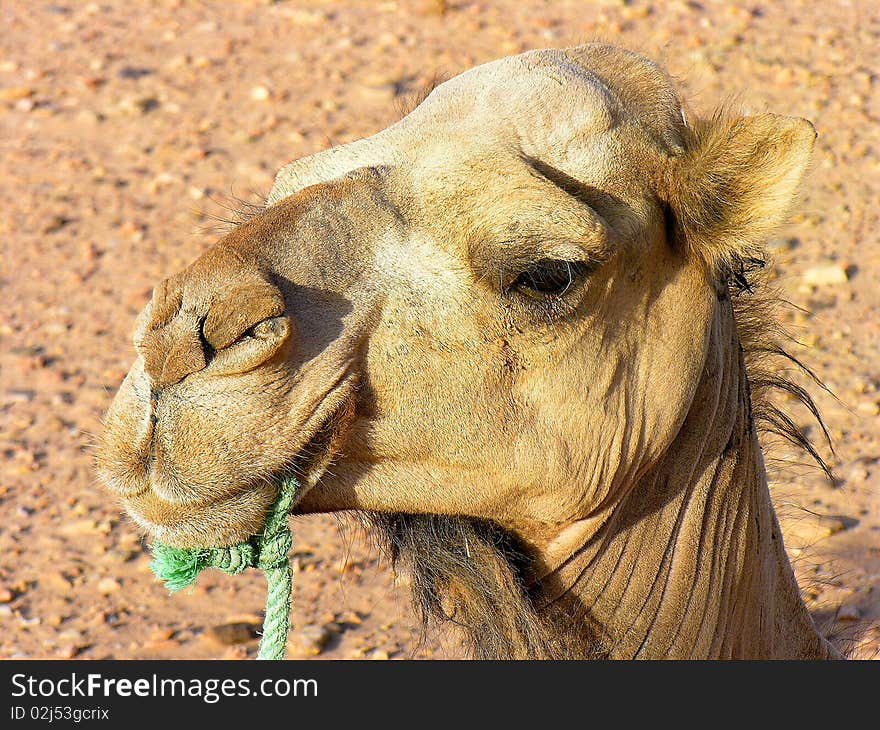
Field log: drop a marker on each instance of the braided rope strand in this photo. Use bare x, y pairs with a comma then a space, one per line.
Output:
276, 624
268, 551
275, 542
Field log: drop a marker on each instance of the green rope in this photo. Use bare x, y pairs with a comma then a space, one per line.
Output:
179, 567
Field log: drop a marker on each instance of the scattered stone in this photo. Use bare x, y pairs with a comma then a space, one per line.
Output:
636, 12
783, 244
304, 17
433, 7
112, 618
160, 635
133, 72
165, 645
71, 636
247, 618
313, 639
161, 180
20, 396
6, 595
19, 586
14, 93
57, 581
260, 93
379, 654
56, 223
97, 618
229, 634
119, 556
351, 619
838, 524
79, 527
236, 652
92, 82
868, 407
825, 276
106, 586
858, 474
138, 105
849, 613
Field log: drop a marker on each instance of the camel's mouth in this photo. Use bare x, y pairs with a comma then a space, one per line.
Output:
237, 514
313, 459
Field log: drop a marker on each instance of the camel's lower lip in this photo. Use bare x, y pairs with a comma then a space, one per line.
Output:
323, 431
210, 526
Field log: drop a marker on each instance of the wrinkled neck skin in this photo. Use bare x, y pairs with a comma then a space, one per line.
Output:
690, 562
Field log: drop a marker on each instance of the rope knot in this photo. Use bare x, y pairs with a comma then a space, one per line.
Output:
179, 567
234, 559
274, 550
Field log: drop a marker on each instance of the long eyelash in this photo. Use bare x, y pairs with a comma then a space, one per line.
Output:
585, 267
570, 278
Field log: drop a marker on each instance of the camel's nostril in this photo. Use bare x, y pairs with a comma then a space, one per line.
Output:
185, 357
154, 403
173, 352
207, 347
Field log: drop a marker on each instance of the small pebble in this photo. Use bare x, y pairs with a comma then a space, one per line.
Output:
138, 105
160, 635
233, 633
67, 652
132, 72
433, 7
166, 645
825, 276
13, 93
260, 93
108, 586
313, 639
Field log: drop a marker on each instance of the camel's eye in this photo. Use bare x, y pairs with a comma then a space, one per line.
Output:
550, 277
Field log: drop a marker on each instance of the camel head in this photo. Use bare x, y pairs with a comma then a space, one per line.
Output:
497, 308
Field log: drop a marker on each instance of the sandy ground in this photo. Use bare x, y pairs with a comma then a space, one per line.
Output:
125, 127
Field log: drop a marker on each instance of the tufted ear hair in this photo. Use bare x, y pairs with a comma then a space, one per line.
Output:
735, 183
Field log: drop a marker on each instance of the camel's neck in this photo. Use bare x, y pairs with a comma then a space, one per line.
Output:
691, 562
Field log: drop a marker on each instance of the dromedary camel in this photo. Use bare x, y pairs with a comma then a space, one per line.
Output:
518, 325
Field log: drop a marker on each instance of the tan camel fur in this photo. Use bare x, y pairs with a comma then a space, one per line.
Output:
512, 325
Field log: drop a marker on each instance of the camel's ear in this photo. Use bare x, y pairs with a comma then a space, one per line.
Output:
734, 184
